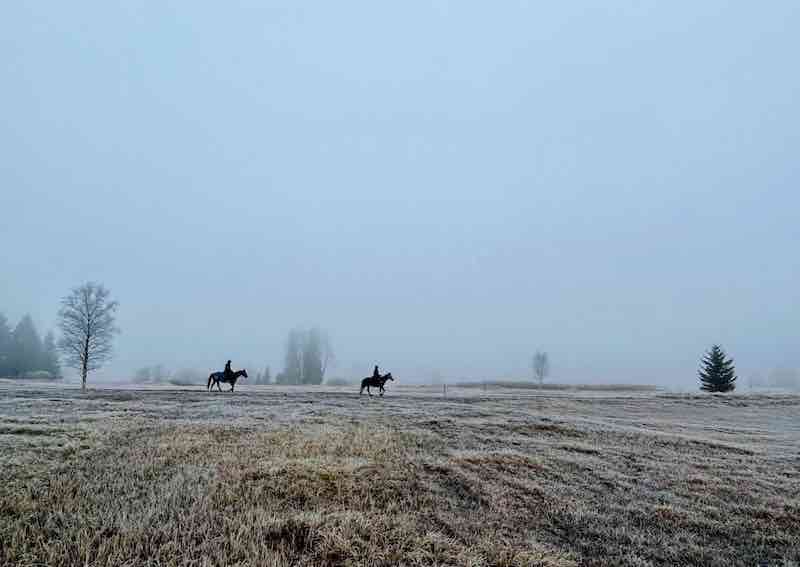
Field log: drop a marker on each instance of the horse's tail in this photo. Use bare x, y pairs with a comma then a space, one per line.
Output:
363, 385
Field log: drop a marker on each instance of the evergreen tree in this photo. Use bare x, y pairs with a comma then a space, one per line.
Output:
50, 355
293, 369
313, 372
266, 377
717, 372
6, 344
27, 347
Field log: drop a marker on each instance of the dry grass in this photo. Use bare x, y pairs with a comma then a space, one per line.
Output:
266, 477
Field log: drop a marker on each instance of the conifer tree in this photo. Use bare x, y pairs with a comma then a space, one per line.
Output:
50, 356
717, 372
27, 347
6, 345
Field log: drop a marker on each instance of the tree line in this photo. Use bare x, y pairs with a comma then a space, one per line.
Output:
308, 357
86, 324
24, 354
87, 328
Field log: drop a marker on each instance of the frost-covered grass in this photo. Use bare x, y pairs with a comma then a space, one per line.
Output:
320, 476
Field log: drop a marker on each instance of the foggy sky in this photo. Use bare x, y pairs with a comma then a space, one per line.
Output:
440, 185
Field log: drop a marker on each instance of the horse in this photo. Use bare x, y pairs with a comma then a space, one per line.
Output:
217, 377
375, 382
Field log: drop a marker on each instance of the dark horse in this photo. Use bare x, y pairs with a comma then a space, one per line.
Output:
375, 382
217, 377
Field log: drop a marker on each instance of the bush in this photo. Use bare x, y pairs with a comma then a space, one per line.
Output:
39, 375
188, 377
786, 378
338, 382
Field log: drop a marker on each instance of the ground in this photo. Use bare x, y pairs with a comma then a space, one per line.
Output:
321, 476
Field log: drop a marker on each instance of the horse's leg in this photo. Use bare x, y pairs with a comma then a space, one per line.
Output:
218, 386
369, 391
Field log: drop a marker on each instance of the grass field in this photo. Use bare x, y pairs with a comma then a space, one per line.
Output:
304, 476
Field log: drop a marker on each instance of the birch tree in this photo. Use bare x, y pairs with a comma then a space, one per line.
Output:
87, 324
541, 366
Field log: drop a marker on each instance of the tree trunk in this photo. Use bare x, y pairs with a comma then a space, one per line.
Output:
85, 364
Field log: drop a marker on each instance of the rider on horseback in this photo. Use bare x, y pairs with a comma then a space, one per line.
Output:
228, 373
375, 381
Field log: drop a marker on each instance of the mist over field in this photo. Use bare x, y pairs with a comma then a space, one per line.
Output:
443, 188
462, 284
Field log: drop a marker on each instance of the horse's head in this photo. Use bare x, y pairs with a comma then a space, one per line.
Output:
388, 377
244, 373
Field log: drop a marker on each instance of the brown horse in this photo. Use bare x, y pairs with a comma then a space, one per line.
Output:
375, 382
217, 377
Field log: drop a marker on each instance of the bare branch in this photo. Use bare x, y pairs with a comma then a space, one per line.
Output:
87, 325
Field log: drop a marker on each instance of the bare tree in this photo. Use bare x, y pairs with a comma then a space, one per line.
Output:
86, 321
293, 365
328, 356
541, 366
308, 356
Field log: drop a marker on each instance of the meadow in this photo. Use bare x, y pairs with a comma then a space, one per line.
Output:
320, 476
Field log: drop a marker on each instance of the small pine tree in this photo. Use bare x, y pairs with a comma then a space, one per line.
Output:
717, 372
50, 356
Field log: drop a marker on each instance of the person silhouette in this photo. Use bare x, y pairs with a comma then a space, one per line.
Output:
375, 373
228, 373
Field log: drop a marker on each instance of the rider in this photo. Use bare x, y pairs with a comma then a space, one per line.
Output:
375, 374
227, 373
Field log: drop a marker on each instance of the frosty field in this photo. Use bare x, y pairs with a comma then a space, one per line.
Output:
321, 476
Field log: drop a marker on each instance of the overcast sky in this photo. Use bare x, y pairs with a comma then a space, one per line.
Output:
440, 185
